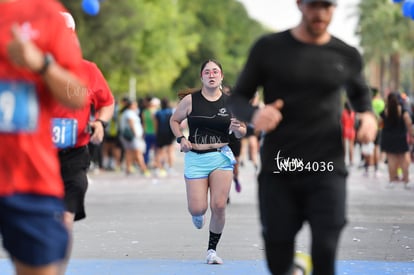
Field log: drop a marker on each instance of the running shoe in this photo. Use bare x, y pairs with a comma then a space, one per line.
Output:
391, 185
237, 185
303, 264
198, 221
408, 185
162, 173
147, 173
212, 257
377, 174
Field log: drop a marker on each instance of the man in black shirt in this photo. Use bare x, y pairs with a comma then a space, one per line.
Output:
302, 72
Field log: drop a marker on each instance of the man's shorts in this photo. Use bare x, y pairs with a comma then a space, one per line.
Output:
32, 229
200, 165
74, 164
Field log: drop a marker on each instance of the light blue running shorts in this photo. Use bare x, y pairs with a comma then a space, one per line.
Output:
200, 165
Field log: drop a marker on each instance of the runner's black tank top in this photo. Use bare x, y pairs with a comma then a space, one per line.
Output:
209, 121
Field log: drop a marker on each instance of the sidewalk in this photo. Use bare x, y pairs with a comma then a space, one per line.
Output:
138, 225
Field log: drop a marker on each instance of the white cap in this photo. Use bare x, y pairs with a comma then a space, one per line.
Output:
155, 101
70, 22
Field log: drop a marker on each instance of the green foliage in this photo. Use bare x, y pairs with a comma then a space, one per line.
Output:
162, 43
383, 29
227, 33
386, 36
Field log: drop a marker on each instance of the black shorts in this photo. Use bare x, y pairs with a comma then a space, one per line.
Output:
287, 201
74, 167
165, 139
113, 140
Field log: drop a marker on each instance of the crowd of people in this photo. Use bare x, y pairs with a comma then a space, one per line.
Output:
138, 137
394, 143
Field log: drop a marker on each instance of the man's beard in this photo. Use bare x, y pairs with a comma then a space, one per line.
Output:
315, 32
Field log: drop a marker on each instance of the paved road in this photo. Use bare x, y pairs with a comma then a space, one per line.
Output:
137, 225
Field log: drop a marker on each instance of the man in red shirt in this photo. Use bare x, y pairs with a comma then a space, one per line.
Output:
40, 65
71, 133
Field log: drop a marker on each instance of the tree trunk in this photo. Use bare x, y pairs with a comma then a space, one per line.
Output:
382, 67
395, 71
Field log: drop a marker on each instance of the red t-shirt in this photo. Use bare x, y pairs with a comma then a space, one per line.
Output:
28, 159
98, 95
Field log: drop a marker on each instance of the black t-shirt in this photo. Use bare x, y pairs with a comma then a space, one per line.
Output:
309, 79
163, 121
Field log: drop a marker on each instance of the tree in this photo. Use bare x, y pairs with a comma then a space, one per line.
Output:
163, 42
385, 35
149, 40
226, 34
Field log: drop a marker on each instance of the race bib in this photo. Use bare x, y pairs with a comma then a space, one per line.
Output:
19, 107
64, 132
